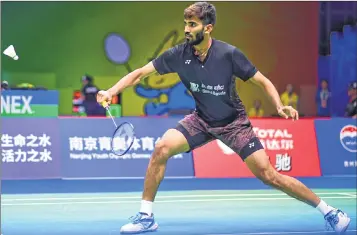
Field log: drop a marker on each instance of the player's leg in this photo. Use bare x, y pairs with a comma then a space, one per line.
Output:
258, 162
240, 137
188, 135
172, 142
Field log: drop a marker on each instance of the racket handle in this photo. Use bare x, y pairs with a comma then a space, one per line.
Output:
105, 104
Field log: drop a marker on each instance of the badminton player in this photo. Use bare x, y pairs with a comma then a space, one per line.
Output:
208, 67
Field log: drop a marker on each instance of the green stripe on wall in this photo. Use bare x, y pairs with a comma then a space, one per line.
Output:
37, 111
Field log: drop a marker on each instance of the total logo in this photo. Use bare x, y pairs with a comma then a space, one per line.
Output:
348, 138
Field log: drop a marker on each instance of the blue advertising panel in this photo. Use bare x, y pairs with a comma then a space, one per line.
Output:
85, 148
29, 103
30, 148
337, 144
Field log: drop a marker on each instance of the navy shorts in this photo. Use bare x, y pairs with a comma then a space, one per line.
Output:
238, 135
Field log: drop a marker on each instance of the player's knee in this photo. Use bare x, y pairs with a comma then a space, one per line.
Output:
268, 176
161, 152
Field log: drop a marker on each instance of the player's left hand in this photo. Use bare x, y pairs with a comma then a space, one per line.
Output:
287, 112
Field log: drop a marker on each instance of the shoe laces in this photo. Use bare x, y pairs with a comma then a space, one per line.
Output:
332, 220
136, 218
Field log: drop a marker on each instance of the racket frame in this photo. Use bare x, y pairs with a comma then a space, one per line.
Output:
112, 140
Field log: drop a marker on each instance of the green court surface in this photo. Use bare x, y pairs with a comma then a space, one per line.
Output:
201, 212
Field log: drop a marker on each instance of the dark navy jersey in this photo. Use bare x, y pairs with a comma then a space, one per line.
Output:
351, 109
211, 82
90, 92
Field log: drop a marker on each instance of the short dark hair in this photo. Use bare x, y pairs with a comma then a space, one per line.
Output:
204, 11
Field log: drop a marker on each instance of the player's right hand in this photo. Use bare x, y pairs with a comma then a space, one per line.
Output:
104, 96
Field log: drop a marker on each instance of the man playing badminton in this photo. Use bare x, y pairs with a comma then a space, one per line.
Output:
207, 68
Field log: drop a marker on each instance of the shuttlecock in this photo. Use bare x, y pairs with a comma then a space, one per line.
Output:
10, 51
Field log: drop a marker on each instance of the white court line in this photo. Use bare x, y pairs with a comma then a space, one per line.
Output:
348, 194
165, 201
273, 233
158, 197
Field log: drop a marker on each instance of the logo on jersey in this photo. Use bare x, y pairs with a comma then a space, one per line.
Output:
348, 138
194, 87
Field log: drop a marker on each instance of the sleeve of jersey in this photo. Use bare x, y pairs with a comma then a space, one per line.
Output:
242, 67
166, 62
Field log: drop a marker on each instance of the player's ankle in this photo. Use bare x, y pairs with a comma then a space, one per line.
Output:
146, 207
324, 208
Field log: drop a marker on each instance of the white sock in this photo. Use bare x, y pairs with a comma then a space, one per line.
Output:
324, 208
146, 207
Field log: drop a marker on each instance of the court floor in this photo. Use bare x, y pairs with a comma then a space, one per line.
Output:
201, 212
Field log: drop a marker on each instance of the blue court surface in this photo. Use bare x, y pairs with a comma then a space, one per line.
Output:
183, 206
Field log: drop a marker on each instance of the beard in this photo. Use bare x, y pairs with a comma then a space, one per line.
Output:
198, 39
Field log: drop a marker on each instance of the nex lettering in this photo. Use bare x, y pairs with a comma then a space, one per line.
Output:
12, 104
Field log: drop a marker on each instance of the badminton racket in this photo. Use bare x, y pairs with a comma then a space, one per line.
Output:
123, 136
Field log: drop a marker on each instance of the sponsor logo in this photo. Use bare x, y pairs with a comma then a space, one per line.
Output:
348, 138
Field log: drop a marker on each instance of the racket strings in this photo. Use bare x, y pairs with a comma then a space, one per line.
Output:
123, 139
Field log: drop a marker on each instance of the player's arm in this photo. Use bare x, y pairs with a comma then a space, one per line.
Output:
130, 79
262, 81
164, 64
245, 70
